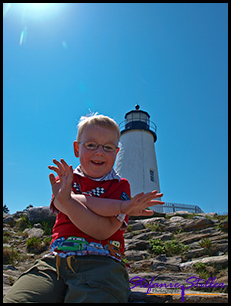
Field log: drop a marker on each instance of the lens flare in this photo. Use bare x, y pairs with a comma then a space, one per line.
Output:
23, 36
64, 44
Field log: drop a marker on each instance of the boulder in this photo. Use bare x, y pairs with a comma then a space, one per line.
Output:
172, 227
194, 253
170, 263
176, 219
136, 255
40, 214
210, 215
142, 265
9, 220
196, 224
224, 224
194, 237
221, 261
19, 213
136, 225
135, 244
34, 232
183, 213
153, 220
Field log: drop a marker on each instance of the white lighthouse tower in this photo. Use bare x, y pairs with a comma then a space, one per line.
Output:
136, 160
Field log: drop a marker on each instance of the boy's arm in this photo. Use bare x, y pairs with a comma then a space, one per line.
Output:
87, 221
96, 226
111, 207
105, 207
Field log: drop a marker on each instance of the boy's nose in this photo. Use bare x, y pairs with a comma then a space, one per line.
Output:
99, 150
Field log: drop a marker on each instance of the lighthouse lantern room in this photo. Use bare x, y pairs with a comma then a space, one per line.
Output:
136, 160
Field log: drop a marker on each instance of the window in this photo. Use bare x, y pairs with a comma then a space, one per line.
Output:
152, 177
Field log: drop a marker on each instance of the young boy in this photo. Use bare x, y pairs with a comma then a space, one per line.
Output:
92, 205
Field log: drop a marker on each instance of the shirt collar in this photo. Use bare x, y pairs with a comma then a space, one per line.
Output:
112, 175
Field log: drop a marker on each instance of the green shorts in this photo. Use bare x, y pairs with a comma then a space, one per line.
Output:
89, 279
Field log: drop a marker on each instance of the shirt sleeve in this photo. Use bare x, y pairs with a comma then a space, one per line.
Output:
52, 206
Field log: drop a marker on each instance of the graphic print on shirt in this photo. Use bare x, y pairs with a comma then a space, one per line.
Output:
79, 246
72, 244
96, 191
114, 248
76, 187
124, 196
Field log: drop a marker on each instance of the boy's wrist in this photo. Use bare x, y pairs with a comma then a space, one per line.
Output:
121, 207
63, 199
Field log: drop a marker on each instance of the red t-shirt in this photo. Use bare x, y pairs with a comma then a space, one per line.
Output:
113, 189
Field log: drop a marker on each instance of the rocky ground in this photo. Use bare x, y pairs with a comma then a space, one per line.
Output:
170, 250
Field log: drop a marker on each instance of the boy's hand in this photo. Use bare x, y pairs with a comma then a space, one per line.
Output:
136, 206
62, 187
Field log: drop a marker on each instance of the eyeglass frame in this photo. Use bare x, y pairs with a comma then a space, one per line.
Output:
116, 147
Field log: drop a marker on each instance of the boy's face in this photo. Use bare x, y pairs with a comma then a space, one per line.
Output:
96, 163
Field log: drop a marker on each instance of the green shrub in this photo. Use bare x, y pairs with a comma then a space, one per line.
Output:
23, 223
10, 255
170, 248
34, 245
156, 227
175, 248
157, 246
205, 243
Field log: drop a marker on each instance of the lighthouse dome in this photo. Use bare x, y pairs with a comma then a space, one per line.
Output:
138, 120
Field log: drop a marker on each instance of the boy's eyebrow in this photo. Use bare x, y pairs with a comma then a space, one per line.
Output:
107, 142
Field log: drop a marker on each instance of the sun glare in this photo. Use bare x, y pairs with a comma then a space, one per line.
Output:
33, 12
36, 6
40, 10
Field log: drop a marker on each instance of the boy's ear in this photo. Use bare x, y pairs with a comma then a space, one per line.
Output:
76, 148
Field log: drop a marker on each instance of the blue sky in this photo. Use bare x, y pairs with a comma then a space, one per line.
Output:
60, 60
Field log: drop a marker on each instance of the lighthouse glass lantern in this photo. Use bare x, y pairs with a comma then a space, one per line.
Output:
136, 160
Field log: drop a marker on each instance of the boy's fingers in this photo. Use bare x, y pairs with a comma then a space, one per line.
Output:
156, 202
53, 168
66, 166
60, 166
155, 196
138, 196
52, 178
57, 170
150, 196
147, 212
70, 175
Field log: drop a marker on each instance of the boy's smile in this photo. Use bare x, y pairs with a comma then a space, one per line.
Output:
96, 163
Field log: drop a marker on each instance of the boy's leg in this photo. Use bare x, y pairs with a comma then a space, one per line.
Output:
38, 284
97, 279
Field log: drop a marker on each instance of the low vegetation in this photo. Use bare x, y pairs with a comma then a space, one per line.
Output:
170, 248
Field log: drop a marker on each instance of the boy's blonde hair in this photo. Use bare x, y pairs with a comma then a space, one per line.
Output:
97, 120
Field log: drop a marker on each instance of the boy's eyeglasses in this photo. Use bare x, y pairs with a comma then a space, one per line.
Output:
91, 145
